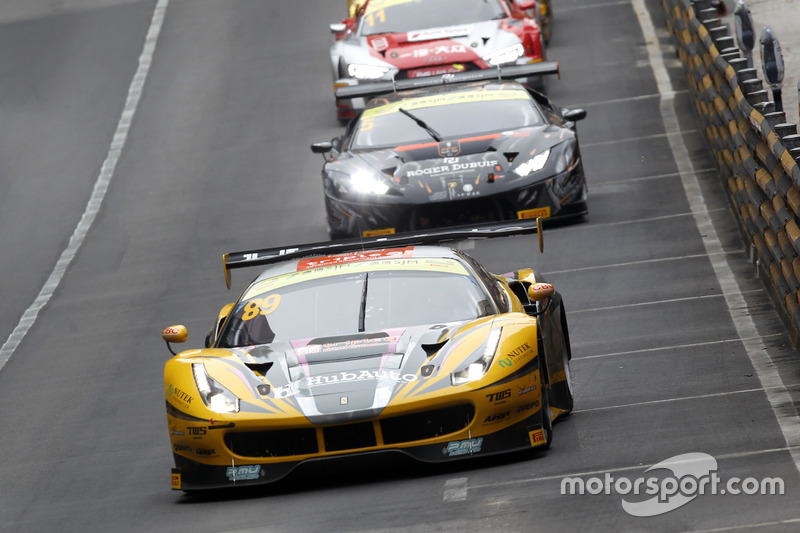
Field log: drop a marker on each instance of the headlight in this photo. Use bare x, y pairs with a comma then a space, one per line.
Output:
215, 396
366, 72
508, 54
477, 369
365, 182
533, 164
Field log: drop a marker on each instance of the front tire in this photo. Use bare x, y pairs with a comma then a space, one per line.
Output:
547, 422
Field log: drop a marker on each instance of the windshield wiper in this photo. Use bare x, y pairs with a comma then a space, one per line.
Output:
421, 123
363, 309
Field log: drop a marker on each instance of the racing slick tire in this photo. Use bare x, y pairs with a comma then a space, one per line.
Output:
547, 422
563, 391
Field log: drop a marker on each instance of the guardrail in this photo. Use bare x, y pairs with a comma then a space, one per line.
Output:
755, 149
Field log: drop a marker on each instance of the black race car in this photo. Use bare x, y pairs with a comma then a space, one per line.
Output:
453, 150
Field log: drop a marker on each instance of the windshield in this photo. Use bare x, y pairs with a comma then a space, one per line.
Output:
387, 127
398, 16
354, 302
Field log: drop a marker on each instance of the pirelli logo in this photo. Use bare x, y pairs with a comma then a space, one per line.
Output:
176, 479
537, 437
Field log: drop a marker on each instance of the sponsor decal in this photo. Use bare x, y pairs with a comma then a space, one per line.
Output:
242, 473
435, 71
394, 253
345, 345
499, 397
176, 480
496, 417
526, 390
378, 232
196, 431
380, 43
541, 212
345, 377
537, 437
511, 356
206, 452
431, 34
178, 394
528, 406
181, 448
175, 432
463, 447
450, 149
454, 167
452, 98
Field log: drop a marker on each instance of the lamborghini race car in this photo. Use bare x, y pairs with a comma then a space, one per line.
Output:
450, 154
381, 346
407, 39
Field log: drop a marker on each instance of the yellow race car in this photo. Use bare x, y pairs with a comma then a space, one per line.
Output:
386, 344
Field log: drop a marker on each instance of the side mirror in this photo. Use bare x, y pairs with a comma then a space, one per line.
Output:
540, 291
174, 334
338, 28
573, 115
322, 147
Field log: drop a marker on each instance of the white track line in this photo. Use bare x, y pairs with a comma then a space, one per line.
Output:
100, 188
667, 400
634, 139
779, 398
455, 489
669, 348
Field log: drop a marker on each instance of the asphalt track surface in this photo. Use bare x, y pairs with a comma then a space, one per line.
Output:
676, 346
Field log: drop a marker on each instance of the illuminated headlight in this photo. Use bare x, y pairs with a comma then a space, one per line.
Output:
533, 164
366, 72
477, 369
508, 54
215, 396
367, 183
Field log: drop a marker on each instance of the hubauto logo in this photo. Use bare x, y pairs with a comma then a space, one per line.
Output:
690, 475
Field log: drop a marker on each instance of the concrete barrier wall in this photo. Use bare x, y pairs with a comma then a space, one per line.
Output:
755, 149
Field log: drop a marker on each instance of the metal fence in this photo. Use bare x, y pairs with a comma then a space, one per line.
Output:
754, 147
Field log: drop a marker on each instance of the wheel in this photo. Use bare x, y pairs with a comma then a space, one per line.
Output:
547, 422
562, 391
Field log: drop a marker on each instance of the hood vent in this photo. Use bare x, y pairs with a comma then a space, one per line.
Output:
259, 368
432, 349
511, 156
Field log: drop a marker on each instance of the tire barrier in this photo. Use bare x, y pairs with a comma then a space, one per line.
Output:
755, 149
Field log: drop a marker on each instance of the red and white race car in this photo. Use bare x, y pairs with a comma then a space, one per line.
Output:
406, 39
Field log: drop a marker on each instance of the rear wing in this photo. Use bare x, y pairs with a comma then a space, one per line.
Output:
268, 256
376, 88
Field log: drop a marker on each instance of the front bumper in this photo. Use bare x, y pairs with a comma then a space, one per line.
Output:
190, 474
256, 449
559, 197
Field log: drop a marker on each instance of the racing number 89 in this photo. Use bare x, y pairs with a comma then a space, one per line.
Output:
261, 306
